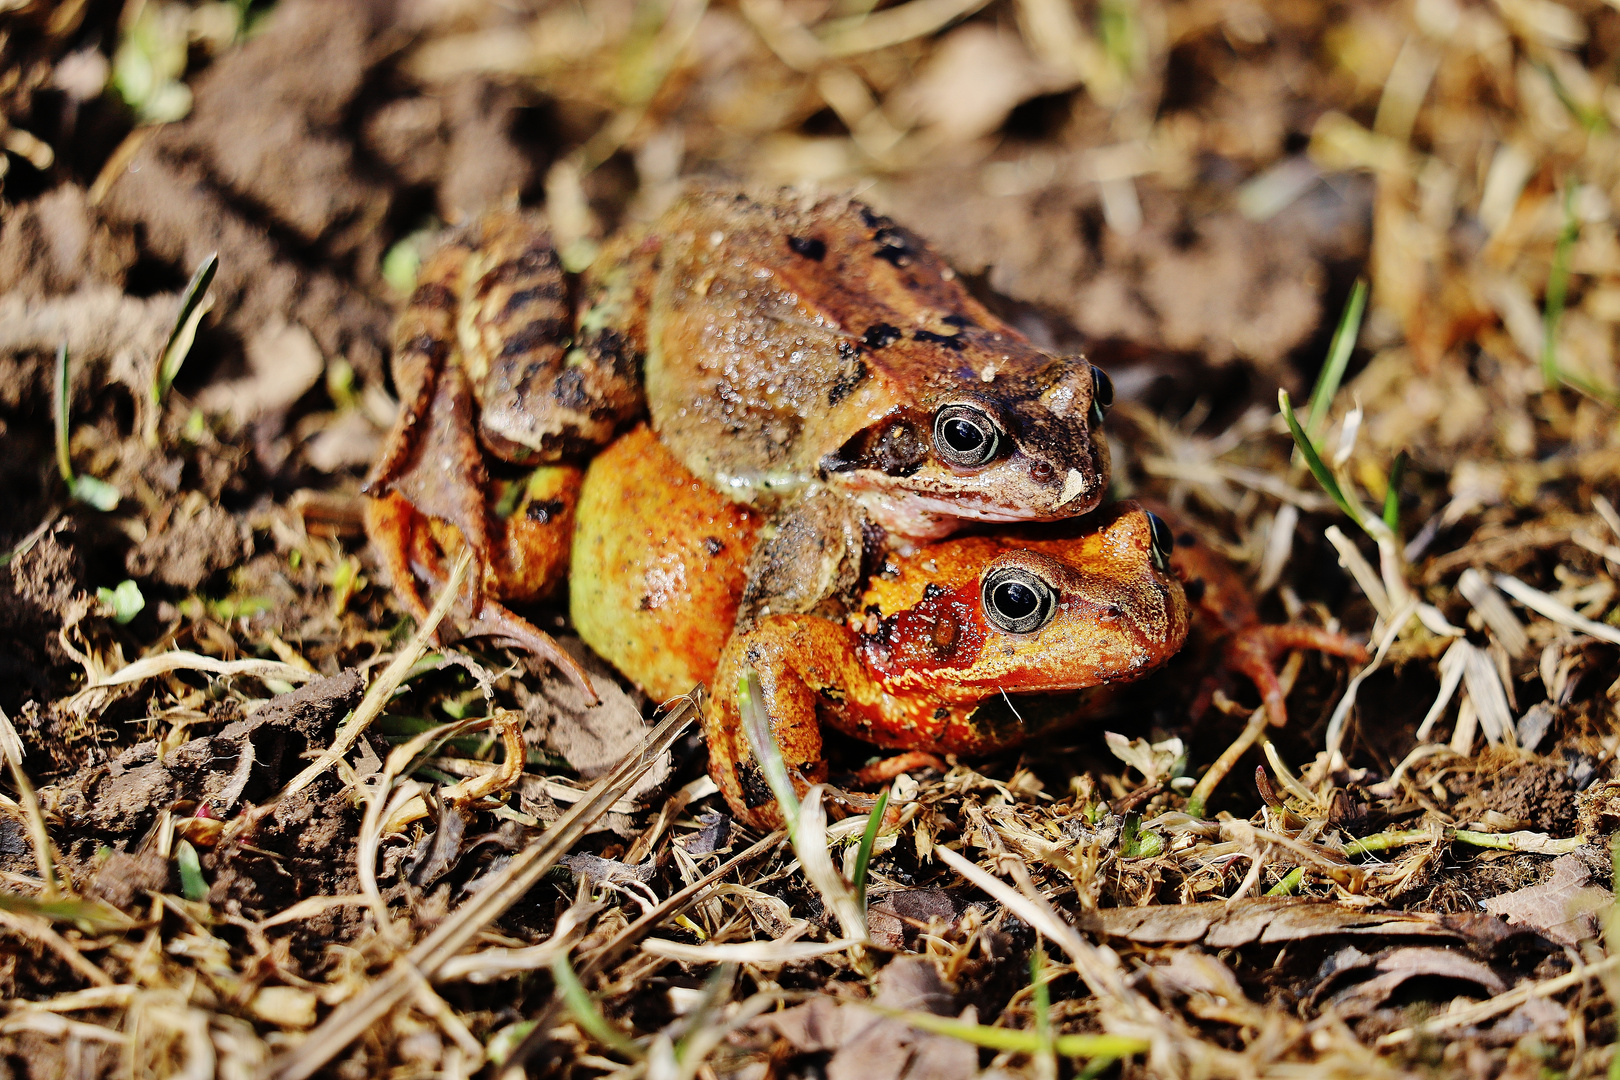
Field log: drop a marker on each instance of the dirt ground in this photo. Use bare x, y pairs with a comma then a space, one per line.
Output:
211, 864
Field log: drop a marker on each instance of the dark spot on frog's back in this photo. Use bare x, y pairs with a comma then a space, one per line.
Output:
950, 341
569, 390
713, 545
892, 247
932, 590
810, 247
942, 712
880, 336
544, 511
847, 381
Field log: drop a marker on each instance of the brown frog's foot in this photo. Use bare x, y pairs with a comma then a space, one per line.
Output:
1255, 650
413, 555
881, 772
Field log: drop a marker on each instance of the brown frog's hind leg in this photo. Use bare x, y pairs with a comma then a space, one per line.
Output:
880, 772
543, 394
432, 468
416, 550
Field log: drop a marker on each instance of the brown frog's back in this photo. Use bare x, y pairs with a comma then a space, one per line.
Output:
659, 563
792, 339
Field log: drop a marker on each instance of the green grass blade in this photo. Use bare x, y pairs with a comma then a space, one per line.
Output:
757, 727
1557, 290
91, 916
1392, 493
192, 309
863, 854
584, 1010
193, 886
1042, 996
59, 412
1016, 1040
1313, 461
1338, 359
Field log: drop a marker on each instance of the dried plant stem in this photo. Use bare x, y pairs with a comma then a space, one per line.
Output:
11, 747
382, 690
1199, 799
40, 931
504, 888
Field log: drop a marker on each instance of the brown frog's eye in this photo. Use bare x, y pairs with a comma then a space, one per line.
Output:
965, 436
1102, 395
1163, 542
1017, 600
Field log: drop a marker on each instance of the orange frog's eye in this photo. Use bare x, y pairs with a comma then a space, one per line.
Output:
1017, 600
1163, 542
965, 436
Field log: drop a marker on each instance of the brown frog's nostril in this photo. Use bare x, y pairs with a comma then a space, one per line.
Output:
1041, 472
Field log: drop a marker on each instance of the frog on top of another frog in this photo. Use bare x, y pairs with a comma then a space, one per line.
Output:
800, 354
956, 646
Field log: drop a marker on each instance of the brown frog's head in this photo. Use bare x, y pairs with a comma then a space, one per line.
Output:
1055, 608
1018, 439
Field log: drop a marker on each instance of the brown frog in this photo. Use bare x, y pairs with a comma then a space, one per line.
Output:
802, 355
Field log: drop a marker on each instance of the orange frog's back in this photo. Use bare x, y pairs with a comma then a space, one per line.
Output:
659, 563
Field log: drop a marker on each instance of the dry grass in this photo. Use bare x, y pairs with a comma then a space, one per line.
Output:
1475, 748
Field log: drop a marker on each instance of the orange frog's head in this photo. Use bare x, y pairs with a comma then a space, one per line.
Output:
1042, 609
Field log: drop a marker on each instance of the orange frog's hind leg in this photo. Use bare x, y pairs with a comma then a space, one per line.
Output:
1254, 651
890, 767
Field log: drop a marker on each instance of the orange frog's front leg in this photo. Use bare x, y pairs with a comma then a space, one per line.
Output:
1224, 608
792, 655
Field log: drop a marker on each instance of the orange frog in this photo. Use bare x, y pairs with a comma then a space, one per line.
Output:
956, 646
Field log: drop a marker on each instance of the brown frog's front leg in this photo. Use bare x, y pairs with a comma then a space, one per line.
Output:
810, 558
801, 661
485, 331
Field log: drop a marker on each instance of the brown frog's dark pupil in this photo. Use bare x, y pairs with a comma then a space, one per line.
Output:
1163, 542
964, 436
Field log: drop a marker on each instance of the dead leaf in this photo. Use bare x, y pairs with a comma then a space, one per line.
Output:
1397, 966
284, 363
1221, 924
1562, 909
867, 1046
